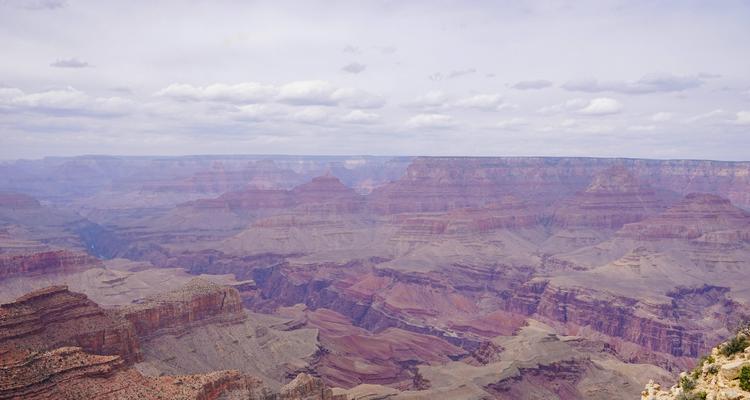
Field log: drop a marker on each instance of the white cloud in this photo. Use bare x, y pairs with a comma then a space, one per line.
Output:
742, 118
436, 121
432, 99
662, 116
241, 93
707, 115
357, 98
511, 123
602, 106
360, 117
311, 115
568, 105
307, 93
484, 102
651, 83
63, 102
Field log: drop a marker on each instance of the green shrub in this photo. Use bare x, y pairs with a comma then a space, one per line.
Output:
745, 378
734, 346
687, 384
712, 369
692, 396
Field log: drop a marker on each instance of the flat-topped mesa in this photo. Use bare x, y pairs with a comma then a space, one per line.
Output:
69, 373
697, 214
614, 198
196, 303
17, 201
54, 317
46, 262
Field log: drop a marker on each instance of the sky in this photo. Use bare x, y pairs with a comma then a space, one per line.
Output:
666, 79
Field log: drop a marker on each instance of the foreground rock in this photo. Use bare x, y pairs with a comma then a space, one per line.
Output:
722, 375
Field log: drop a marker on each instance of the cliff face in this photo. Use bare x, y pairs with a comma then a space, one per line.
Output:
200, 301
694, 216
46, 262
441, 183
614, 198
724, 374
615, 316
69, 373
55, 317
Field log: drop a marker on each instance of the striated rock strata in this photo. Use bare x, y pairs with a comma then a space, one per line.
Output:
45, 262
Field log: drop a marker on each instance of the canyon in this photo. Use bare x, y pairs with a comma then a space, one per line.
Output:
367, 277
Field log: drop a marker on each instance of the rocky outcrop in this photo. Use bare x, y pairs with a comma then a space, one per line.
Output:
615, 316
696, 215
198, 302
69, 373
53, 317
45, 262
305, 386
614, 198
724, 374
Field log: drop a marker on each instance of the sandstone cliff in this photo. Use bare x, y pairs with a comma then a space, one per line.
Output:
198, 302
53, 317
45, 262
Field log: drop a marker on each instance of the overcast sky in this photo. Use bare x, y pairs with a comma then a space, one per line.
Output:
666, 79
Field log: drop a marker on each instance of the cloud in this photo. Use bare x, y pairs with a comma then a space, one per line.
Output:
661, 116
569, 105
439, 76
651, 83
430, 121
241, 93
742, 118
484, 102
512, 123
461, 72
63, 102
38, 4
705, 116
601, 106
532, 85
325, 94
357, 98
433, 99
353, 68
70, 63
641, 128
360, 117
311, 115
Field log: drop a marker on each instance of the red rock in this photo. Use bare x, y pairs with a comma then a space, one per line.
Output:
54, 317
68, 373
47, 262
697, 214
613, 199
198, 302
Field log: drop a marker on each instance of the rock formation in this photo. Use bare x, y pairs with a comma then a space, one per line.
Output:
198, 302
54, 317
724, 374
614, 198
697, 214
45, 263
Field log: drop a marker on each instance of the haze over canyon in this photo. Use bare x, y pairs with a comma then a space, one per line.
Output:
366, 277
